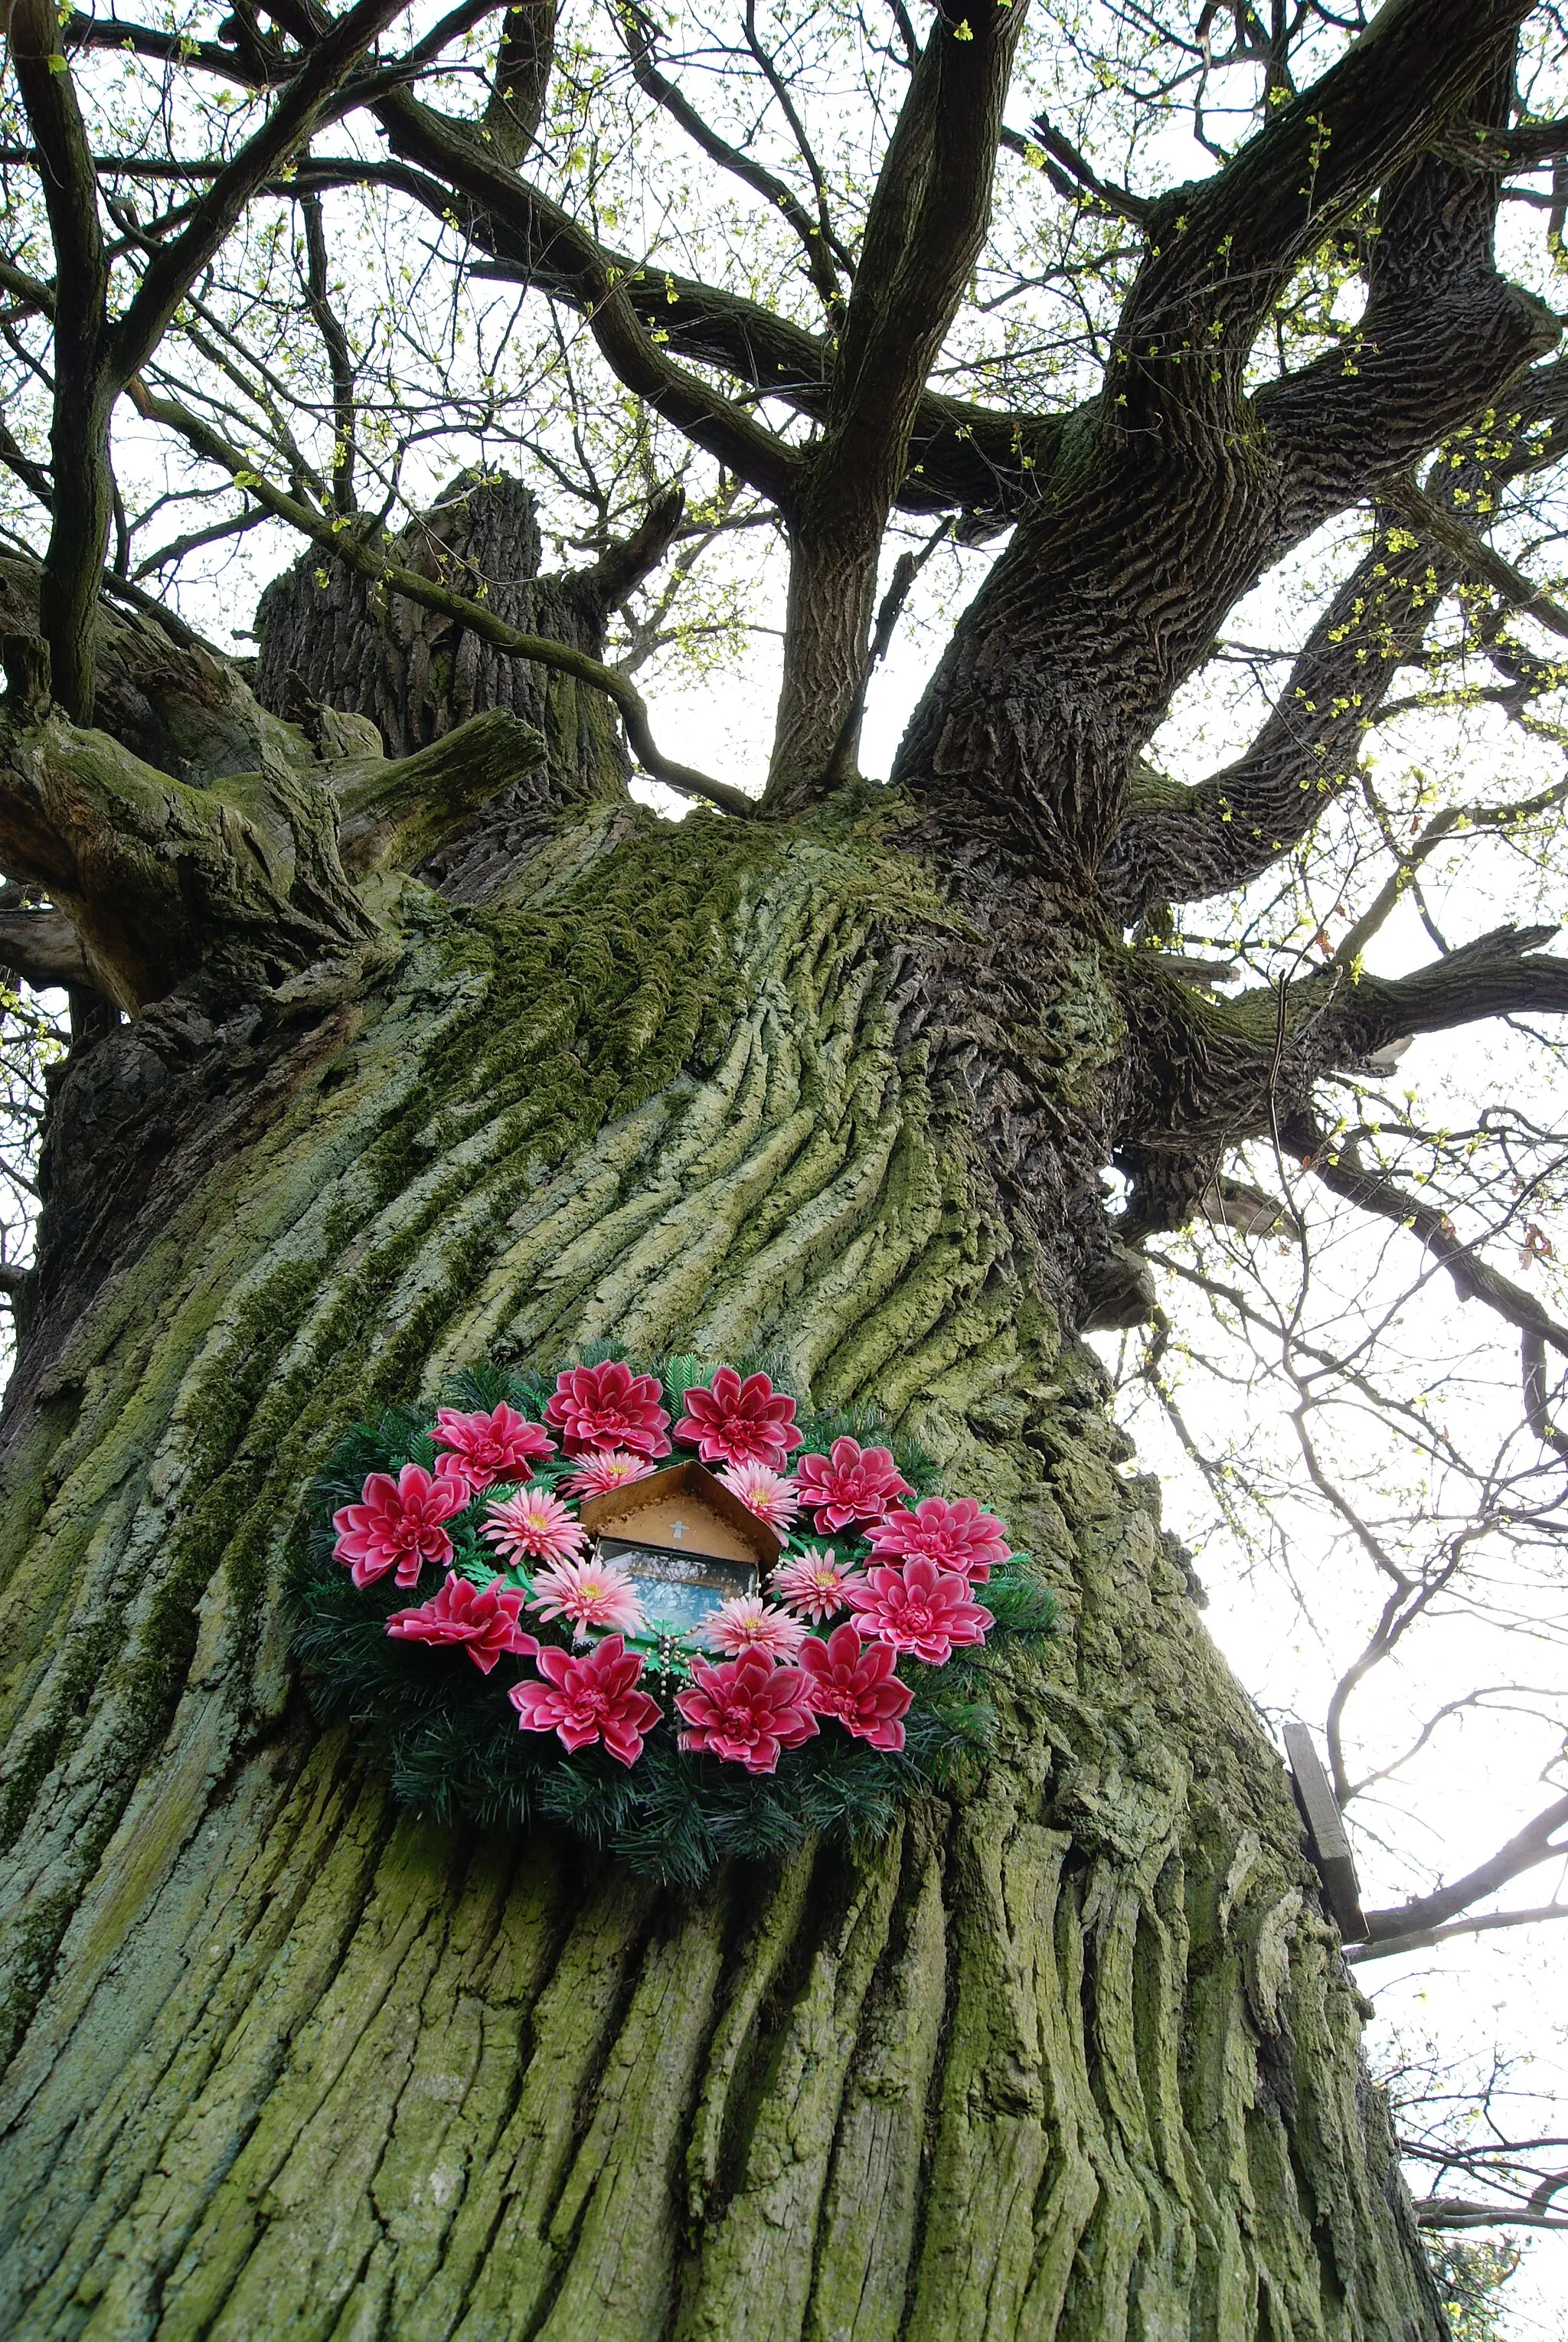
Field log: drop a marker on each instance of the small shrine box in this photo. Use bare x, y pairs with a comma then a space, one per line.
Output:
685, 1540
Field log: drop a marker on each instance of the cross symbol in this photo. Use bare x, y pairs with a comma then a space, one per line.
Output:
677, 1530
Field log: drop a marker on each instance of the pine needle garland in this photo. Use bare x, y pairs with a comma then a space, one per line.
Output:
449, 1738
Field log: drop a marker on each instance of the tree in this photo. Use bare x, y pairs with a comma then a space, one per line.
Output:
399, 1031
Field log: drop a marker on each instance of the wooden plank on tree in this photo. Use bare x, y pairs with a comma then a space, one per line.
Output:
1327, 1841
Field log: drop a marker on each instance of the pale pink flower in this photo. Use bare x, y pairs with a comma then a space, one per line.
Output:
586, 1699
763, 1491
814, 1584
919, 1608
533, 1525
611, 1467
398, 1523
589, 1593
749, 1624
954, 1536
850, 1483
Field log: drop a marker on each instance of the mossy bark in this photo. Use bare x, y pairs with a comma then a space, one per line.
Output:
1073, 2055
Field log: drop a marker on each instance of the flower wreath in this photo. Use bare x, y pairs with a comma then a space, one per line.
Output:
453, 1603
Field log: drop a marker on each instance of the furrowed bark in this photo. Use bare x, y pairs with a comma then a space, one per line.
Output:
1071, 2053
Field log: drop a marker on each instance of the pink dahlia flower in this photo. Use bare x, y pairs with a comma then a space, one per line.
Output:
919, 1608
608, 1406
736, 1421
750, 1624
763, 1491
589, 1593
746, 1711
850, 1483
533, 1524
954, 1536
501, 1446
814, 1585
606, 1468
483, 1619
590, 1698
854, 1682
398, 1523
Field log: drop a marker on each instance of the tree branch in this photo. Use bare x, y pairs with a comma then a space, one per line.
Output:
340, 362
42, 947
524, 62
640, 34
174, 266
1536, 1843
83, 496
599, 287
1226, 249
354, 548
1438, 2212
924, 232
157, 877
1426, 1938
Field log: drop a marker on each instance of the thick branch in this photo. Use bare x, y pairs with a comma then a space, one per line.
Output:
600, 288
340, 361
158, 878
1539, 1841
524, 62
394, 816
1178, 844
1437, 2212
1181, 843
83, 495
42, 947
1425, 1939
927, 221
1222, 252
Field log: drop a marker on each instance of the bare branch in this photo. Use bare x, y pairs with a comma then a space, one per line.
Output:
1425, 1939
1539, 1841
356, 548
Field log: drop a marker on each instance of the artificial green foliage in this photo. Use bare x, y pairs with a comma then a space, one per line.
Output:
448, 1738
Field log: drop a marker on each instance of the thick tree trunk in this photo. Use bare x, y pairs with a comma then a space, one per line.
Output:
1071, 2055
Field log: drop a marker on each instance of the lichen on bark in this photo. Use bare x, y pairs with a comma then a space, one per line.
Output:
1072, 2052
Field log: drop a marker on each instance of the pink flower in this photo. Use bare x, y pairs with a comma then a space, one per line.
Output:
535, 1524
919, 1608
954, 1536
588, 1699
607, 1468
608, 1406
851, 1482
750, 1624
746, 1711
732, 1422
854, 1682
455, 1469
501, 1446
398, 1523
589, 1593
814, 1585
763, 1491
483, 1618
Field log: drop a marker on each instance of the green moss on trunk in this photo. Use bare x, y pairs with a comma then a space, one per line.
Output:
1071, 2056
